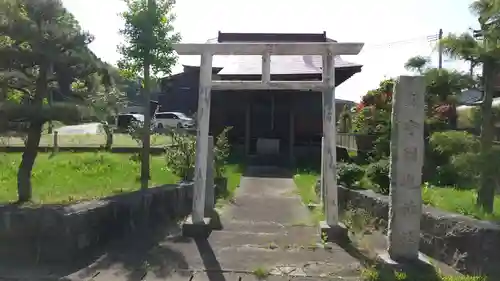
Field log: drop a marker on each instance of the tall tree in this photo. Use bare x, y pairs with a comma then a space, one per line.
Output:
417, 63
42, 49
442, 85
464, 47
487, 52
148, 52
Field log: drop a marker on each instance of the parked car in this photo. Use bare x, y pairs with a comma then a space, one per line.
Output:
172, 120
123, 121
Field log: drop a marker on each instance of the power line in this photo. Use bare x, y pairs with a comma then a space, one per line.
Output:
440, 51
428, 38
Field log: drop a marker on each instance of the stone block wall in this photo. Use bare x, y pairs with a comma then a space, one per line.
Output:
469, 245
60, 233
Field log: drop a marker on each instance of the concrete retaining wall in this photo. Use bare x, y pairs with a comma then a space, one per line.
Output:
469, 245
59, 233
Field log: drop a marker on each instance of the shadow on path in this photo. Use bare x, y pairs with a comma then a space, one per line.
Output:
130, 257
212, 266
141, 253
418, 270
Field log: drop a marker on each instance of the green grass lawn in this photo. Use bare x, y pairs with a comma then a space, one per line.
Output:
305, 182
88, 140
233, 174
458, 201
69, 177
305, 186
444, 198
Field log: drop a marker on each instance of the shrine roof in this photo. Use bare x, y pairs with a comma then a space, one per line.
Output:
280, 65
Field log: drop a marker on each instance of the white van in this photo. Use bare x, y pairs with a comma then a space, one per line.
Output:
172, 120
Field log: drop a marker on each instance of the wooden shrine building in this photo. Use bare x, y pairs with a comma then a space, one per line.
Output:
292, 117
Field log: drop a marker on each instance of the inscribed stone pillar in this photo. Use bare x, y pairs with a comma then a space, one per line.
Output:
210, 192
203, 115
329, 151
407, 155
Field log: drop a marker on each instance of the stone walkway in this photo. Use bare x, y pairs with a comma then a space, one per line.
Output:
264, 230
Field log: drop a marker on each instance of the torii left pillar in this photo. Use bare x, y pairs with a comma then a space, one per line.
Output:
197, 225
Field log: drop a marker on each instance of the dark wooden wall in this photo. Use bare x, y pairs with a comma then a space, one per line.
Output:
228, 108
180, 92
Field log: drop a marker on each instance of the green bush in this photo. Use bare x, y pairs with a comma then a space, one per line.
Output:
450, 143
181, 155
445, 175
221, 152
466, 167
378, 174
349, 174
469, 165
444, 147
136, 131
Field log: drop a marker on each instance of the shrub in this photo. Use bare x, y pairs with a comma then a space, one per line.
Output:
445, 175
444, 146
451, 143
181, 155
378, 174
374, 109
136, 131
469, 165
221, 150
349, 174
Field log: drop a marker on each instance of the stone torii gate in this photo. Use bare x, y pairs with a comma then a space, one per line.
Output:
198, 223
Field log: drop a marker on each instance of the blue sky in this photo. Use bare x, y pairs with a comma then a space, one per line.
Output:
374, 22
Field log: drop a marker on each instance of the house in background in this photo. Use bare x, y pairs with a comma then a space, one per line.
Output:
292, 117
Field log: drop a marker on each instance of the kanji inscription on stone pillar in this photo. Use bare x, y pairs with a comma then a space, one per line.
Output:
407, 156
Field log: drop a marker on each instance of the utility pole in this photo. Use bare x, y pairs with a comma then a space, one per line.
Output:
440, 48
146, 140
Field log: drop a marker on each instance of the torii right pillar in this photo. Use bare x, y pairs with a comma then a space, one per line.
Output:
332, 230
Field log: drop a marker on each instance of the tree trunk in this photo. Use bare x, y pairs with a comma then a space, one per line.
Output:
146, 141
454, 117
109, 136
486, 189
34, 134
24, 188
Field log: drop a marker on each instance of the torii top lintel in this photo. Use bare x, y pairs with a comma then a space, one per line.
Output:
276, 49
